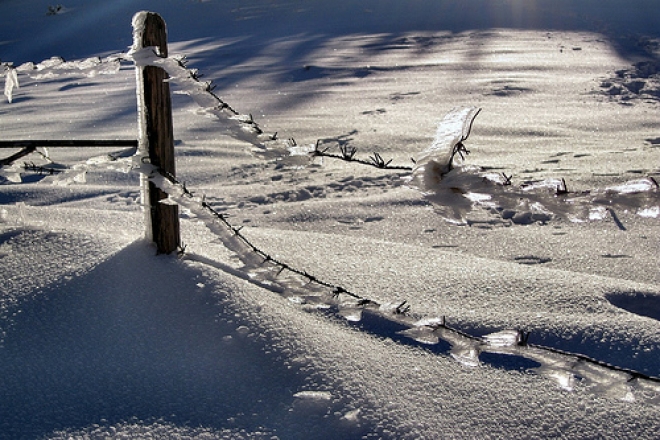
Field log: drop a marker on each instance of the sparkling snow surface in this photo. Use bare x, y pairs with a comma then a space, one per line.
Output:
101, 338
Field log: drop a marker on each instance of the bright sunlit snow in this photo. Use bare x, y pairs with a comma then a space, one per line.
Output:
500, 282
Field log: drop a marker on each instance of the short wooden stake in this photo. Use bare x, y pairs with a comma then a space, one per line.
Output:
164, 219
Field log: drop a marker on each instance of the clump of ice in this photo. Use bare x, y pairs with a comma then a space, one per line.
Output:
456, 189
11, 82
314, 395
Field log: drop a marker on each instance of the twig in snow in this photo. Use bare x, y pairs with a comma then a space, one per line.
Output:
402, 308
348, 152
379, 162
461, 150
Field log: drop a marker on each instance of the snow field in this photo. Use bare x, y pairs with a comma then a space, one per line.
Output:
102, 338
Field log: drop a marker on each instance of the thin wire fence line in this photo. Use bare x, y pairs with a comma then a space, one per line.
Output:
68, 143
403, 309
202, 93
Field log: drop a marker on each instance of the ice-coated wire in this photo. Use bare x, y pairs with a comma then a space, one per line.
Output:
517, 345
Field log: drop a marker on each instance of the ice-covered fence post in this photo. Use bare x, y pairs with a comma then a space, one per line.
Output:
156, 132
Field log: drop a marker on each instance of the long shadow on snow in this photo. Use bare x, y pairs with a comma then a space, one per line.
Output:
390, 24
377, 27
620, 355
143, 337
622, 351
49, 195
639, 303
384, 328
269, 20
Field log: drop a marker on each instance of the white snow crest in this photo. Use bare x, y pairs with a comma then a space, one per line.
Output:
138, 22
437, 160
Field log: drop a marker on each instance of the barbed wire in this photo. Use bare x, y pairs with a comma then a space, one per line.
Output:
519, 343
347, 154
41, 170
402, 311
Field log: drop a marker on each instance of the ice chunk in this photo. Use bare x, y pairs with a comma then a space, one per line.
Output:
11, 173
423, 335
352, 416
351, 312
565, 379
11, 82
22, 217
466, 355
505, 338
437, 160
314, 395
633, 187
463, 348
651, 212
606, 381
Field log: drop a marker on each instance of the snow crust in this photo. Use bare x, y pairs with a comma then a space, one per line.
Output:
99, 337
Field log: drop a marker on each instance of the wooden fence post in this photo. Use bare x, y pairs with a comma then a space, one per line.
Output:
156, 121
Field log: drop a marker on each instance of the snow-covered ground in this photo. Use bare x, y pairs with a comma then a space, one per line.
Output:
101, 338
